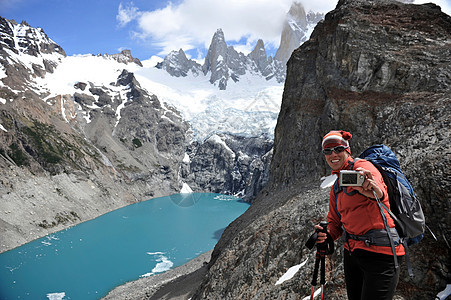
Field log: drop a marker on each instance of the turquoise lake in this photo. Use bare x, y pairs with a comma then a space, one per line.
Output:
88, 260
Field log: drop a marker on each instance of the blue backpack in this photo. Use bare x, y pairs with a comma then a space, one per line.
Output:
405, 209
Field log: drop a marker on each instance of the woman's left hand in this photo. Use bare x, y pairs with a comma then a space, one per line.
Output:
369, 185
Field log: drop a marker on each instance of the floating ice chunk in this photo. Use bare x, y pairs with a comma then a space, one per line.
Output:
225, 198
56, 296
163, 265
46, 243
155, 253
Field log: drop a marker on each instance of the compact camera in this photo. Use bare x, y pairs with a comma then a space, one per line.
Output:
351, 178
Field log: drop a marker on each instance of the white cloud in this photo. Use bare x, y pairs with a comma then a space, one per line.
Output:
192, 23
126, 14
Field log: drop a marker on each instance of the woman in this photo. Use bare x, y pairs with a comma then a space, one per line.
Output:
370, 271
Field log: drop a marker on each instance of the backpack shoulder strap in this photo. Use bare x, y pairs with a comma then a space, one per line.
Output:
337, 188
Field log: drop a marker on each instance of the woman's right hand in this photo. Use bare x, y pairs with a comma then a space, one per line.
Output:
322, 236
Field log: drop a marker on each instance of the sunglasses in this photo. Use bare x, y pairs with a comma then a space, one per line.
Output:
338, 149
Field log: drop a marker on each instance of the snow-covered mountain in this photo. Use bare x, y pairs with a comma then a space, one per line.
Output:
248, 108
25, 53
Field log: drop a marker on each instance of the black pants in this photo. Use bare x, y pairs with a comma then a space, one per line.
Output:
370, 275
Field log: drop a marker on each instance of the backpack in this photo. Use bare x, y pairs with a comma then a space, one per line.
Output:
405, 209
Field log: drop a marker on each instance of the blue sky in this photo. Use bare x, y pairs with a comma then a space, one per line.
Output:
155, 27
81, 26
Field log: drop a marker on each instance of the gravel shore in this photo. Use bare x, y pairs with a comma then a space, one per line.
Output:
176, 284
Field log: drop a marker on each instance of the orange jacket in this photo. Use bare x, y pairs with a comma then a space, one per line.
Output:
359, 214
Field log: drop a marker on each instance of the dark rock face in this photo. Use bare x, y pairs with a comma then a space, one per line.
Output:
229, 164
381, 70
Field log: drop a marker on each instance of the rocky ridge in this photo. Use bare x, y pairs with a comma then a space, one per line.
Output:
380, 70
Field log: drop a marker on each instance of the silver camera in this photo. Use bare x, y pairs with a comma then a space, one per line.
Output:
351, 178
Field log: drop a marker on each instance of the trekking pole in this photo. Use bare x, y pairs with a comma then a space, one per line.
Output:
320, 257
322, 249
322, 280
315, 274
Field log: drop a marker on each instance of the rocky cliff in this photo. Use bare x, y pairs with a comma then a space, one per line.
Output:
381, 70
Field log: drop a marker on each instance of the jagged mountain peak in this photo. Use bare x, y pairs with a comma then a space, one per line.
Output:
297, 13
260, 46
217, 49
26, 53
22, 38
178, 65
296, 30
218, 36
